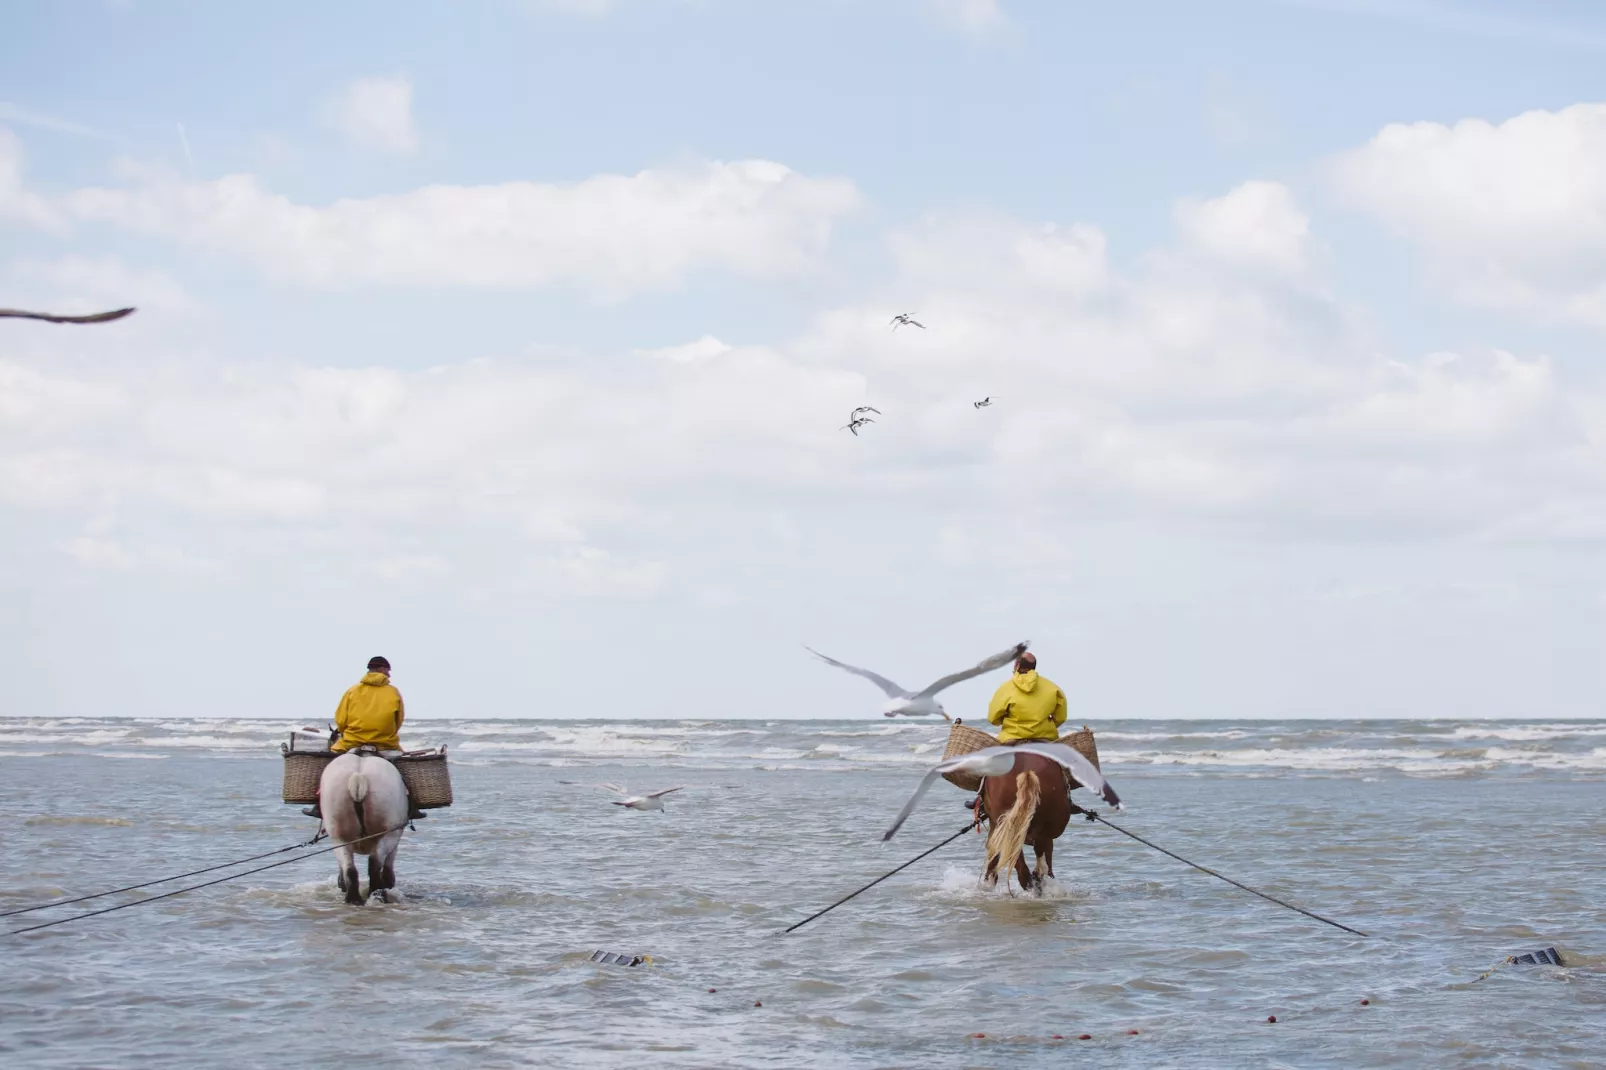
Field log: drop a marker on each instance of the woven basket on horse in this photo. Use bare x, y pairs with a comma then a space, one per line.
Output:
302, 771
428, 781
963, 739
427, 778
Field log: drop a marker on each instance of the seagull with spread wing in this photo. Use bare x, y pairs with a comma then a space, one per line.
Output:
653, 800
906, 319
98, 317
924, 702
1000, 761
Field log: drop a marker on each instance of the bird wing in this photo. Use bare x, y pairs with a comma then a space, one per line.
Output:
997, 661
909, 807
1079, 767
665, 791
891, 689
917, 323
615, 788
98, 317
870, 408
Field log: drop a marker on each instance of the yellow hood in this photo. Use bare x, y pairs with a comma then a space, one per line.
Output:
374, 679
1025, 680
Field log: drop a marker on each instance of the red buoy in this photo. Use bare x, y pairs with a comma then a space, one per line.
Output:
1085, 1036
978, 1036
1131, 1032
1366, 1003
1271, 1017
758, 1003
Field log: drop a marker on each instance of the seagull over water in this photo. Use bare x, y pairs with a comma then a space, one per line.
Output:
98, 317
1000, 761
924, 702
906, 319
653, 800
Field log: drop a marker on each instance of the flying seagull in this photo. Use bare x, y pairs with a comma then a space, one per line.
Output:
983, 403
653, 800
906, 319
999, 761
923, 703
857, 419
98, 317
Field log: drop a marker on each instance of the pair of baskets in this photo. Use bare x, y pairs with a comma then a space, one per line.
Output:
963, 739
428, 781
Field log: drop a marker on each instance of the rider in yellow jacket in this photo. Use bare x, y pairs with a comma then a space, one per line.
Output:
370, 713
1027, 705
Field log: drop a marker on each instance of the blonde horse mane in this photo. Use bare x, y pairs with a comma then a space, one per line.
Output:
1007, 837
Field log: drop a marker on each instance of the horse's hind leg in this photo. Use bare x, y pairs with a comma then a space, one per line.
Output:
376, 877
348, 881
1024, 875
1045, 860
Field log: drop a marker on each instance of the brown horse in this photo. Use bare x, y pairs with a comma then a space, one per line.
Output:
1029, 805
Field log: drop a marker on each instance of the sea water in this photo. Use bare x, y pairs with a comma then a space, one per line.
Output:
1452, 843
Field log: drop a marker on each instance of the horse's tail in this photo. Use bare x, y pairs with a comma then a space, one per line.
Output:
1008, 835
357, 788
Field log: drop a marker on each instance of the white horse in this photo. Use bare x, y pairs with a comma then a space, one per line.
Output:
364, 808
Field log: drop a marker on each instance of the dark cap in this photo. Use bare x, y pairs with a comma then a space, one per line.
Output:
378, 665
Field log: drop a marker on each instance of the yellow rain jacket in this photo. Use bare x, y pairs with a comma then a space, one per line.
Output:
1029, 706
371, 712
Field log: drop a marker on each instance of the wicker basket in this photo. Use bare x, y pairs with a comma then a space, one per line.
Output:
427, 779
962, 739
424, 773
302, 770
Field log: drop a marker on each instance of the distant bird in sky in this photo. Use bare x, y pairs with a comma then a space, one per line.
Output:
983, 403
857, 419
906, 319
98, 317
924, 702
1000, 761
855, 423
653, 800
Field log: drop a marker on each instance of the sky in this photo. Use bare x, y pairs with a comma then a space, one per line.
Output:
514, 341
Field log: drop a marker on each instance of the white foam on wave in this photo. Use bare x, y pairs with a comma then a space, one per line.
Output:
98, 737
963, 884
208, 742
1541, 733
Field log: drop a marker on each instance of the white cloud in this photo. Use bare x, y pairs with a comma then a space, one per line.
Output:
970, 14
17, 203
705, 347
1180, 390
16, 113
376, 113
610, 235
1256, 225
1511, 215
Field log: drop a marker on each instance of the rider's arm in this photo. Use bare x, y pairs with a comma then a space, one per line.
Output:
341, 711
1059, 707
996, 710
401, 711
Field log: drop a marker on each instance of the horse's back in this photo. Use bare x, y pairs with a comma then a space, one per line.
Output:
1053, 807
367, 783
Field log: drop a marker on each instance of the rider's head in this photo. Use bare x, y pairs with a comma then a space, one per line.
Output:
379, 665
1026, 662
